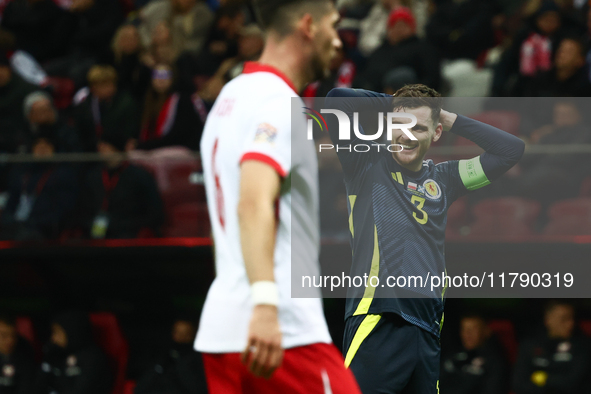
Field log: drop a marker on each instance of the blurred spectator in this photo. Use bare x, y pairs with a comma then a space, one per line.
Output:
92, 24
17, 370
44, 118
120, 198
250, 46
372, 29
539, 171
568, 77
161, 48
530, 52
462, 30
13, 90
251, 40
222, 41
557, 361
133, 74
180, 369
169, 117
188, 20
477, 367
73, 363
40, 195
106, 110
402, 49
38, 26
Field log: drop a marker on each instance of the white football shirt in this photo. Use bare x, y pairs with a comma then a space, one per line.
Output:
252, 120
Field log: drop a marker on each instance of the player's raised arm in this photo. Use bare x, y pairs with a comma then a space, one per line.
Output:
350, 101
502, 150
259, 189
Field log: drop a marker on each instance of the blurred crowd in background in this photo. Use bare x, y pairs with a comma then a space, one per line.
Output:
139, 77
88, 354
115, 76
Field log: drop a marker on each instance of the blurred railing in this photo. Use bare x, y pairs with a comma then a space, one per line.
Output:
493, 214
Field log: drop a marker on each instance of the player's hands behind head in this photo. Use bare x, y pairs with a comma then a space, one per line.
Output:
263, 353
447, 119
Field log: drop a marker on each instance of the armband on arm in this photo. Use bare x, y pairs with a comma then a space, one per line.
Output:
472, 174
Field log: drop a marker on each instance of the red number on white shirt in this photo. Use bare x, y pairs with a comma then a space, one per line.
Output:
219, 195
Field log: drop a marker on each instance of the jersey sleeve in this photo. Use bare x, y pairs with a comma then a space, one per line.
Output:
268, 138
502, 151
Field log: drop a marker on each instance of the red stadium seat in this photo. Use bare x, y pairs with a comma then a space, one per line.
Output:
127, 6
129, 387
108, 335
570, 217
508, 121
63, 91
585, 190
504, 331
189, 220
507, 217
177, 172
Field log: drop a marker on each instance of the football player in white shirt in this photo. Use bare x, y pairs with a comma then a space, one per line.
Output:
262, 197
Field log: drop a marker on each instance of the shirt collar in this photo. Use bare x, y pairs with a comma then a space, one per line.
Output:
253, 67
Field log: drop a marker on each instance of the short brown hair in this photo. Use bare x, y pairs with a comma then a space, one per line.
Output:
418, 95
101, 73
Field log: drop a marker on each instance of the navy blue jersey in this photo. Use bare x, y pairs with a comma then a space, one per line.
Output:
397, 218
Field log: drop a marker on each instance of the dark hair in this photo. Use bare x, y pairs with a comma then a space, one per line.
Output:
278, 15
417, 95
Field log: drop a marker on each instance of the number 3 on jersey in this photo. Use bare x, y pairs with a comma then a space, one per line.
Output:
419, 202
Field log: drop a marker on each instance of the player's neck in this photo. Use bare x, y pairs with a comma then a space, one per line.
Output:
287, 58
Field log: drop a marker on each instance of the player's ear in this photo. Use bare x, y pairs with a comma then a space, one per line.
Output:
438, 132
307, 26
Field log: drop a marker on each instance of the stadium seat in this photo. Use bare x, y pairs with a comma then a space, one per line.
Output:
189, 220
570, 217
177, 172
507, 217
108, 335
585, 190
129, 387
508, 121
457, 216
179, 177
62, 91
505, 333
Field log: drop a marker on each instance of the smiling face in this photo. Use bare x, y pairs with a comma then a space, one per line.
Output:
426, 131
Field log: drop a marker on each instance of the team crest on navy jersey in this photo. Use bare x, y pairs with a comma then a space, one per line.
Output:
432, 189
